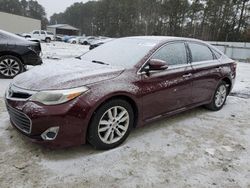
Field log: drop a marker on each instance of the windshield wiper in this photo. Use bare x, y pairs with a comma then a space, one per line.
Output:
99, 62
80, 57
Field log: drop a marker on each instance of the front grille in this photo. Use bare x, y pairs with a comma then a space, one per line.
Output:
20, 120
20, 95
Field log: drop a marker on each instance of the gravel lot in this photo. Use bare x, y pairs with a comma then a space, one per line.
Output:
197, 148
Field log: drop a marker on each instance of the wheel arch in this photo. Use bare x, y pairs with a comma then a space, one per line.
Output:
125, 97
228, 82
12, 54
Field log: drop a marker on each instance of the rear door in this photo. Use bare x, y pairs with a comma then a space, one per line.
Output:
168, 90
206, 71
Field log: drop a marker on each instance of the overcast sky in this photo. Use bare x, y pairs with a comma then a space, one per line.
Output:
56, 6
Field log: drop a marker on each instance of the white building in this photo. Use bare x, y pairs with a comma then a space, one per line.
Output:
18, 24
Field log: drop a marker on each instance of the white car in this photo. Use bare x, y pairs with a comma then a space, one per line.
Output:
40, 35
75, 40
87, 40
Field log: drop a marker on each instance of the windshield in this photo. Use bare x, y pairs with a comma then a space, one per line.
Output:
125, 52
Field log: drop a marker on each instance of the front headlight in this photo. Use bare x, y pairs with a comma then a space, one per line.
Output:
55, 97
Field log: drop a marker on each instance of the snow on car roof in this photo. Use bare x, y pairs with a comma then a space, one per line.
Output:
158, 39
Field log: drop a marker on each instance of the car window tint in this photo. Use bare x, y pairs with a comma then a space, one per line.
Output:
42, 32
200, 52
173, 54
36, 32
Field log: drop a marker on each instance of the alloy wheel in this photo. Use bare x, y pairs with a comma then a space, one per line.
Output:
113, 125
9, 67
220, 96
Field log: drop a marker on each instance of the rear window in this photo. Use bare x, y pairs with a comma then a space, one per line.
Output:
200, 52
49, 33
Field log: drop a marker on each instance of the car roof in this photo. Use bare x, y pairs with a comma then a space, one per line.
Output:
159, 39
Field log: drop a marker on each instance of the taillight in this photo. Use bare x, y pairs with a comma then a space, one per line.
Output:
233, 68
234, 65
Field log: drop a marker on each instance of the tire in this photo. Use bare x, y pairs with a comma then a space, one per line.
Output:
219, 98
105, 132
85, 43
48, 40
74, 42
10, 66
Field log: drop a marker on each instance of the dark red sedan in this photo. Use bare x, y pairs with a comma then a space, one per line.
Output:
126, 83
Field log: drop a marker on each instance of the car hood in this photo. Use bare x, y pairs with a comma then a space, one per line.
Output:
65, 74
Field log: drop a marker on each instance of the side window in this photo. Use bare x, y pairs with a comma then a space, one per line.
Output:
173, 54
42, 32
36, 32
200, 52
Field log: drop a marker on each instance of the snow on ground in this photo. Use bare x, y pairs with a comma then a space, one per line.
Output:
197, 148
62, 50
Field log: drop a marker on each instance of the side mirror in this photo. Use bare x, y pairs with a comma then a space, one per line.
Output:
157, 65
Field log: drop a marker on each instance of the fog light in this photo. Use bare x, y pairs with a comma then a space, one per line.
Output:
50, 134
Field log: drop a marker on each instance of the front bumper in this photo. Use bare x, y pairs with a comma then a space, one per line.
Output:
71, 118
32, 58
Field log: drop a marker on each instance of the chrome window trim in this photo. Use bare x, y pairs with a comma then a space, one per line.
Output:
205, 62
140, 72
215, 62
170, 71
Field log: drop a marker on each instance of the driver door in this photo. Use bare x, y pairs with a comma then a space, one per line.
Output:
170, 90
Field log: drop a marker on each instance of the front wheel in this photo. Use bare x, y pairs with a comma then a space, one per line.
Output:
219, 98
111, 124
10, 66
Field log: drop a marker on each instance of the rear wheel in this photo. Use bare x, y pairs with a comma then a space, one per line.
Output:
10, 66
48, 40
111, 124
219, 98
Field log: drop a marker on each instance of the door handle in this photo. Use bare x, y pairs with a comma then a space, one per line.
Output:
187, 75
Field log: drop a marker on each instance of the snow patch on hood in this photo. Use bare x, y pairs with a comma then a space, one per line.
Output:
65, 74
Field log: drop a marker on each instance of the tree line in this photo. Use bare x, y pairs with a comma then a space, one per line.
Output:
28, 8
220, 20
